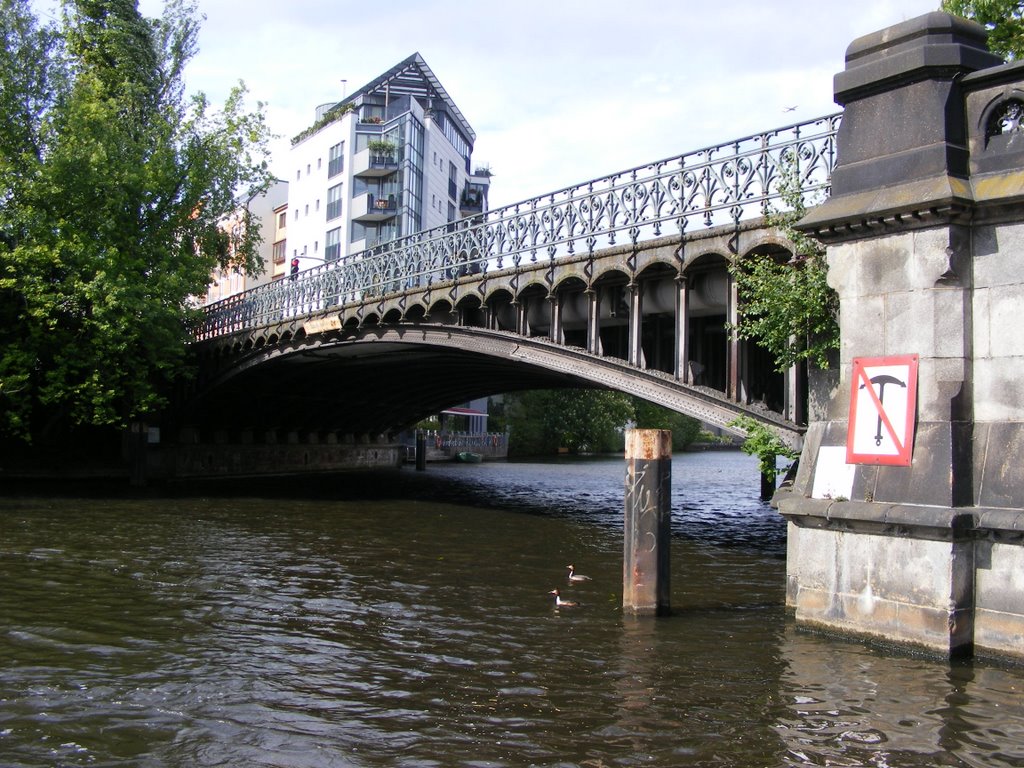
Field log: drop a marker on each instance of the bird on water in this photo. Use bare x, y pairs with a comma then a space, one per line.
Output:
560, 603
576, 577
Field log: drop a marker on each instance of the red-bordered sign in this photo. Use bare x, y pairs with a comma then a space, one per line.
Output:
883, 406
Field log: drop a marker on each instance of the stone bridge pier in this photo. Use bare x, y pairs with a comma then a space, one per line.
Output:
925, 234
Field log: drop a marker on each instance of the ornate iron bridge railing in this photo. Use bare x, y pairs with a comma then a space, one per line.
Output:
717, 185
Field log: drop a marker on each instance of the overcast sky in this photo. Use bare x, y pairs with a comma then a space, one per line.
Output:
558, 91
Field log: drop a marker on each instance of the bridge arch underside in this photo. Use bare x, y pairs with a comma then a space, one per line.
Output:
654, 314
379, 380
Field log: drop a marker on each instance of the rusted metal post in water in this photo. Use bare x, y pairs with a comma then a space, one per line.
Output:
646, 561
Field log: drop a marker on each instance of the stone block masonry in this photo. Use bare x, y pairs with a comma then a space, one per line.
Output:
924, 231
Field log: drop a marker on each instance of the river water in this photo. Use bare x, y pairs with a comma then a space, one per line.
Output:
403, 619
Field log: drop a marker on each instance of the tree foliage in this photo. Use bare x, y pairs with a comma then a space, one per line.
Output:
685, 429
112, 184
788, 307
1004, 20
763, 444
585, 420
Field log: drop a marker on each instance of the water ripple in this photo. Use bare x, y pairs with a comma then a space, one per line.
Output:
345, 626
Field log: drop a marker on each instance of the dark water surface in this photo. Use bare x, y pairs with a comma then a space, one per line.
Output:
403, 619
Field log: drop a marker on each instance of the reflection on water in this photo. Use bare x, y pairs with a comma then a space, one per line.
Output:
406, 621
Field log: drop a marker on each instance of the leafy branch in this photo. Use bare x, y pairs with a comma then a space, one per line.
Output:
764, 444
788, 307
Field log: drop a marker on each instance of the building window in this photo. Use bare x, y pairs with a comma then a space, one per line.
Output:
282, 220
332, 245
334, 202
319, 163
336, 160
298, 174
280, 252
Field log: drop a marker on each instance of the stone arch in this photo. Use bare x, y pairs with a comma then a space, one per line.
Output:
470, 311
415, 313
533, 280
442, 312
779, 250
703, 258
613, 297
658, 284
768, 241
536, 309
500, 304
571, 293
709, 288
609, 271
760, 381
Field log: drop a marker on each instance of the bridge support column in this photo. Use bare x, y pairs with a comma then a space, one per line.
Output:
522, 324
636, 324
646, 562
732, 352
593, 321
682, 344
556, 318
924, 228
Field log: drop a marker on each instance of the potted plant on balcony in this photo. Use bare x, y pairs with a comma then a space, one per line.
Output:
382, 148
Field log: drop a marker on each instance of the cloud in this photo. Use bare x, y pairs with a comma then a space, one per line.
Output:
558, 92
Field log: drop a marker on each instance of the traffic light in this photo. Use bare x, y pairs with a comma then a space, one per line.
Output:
295, 268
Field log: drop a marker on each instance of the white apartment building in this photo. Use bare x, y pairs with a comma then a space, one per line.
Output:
389, 160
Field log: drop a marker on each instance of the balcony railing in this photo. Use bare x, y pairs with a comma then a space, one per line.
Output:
371, 208
371, 164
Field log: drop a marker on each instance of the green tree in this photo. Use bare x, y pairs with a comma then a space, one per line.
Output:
763, 444
1004, 20
579, 420
788, 307
543, 421
685, 429
113, 185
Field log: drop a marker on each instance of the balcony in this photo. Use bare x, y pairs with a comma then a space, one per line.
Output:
369, 208
370, 164
471, 203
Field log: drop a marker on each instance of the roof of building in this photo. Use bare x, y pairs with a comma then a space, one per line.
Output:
412, 77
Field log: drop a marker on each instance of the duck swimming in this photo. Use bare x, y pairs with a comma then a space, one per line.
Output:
573, 576
560, 603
